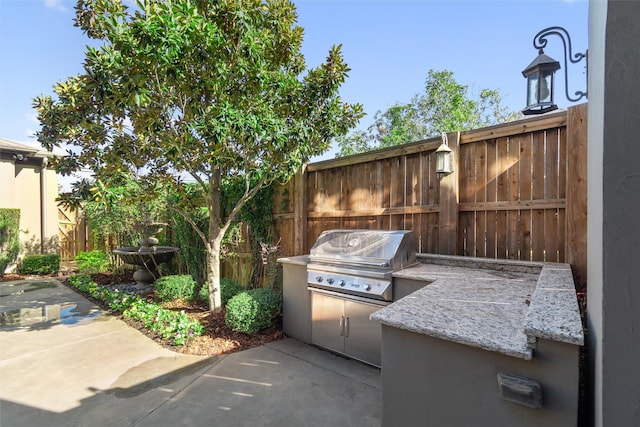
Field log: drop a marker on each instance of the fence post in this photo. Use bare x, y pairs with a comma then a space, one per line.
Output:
576, 202
300, 211
449, 198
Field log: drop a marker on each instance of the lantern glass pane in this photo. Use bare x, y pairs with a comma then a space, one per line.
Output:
439, 161
532, 89
544, 88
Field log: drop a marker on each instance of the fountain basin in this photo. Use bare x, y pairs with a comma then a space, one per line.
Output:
140, 255
146, 259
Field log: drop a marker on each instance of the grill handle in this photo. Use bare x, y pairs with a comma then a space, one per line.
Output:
353, 263
341, 326
346, 327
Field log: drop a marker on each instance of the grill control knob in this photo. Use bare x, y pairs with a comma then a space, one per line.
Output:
341, 283
318, 279
367, 287
330, 281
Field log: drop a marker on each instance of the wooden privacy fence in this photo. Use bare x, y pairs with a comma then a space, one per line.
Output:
517, 191
73, 234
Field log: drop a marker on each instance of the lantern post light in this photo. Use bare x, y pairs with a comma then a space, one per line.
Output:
540, 73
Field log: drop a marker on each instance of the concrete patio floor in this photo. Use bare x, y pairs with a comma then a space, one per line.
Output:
65, 362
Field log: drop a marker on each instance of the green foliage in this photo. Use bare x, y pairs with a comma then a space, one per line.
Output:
196, 89
229, 288
256, 213
253, 310
116, 207
92, 262
169, 288
193, 253
445, 106
40, 264
9, 237
166, 323
169, 325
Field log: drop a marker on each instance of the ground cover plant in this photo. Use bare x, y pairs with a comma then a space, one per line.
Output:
175, 327
216, 336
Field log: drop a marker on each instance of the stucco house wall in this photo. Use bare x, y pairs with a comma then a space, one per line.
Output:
28, 183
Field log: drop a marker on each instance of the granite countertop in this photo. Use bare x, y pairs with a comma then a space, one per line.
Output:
493, 307
299, 260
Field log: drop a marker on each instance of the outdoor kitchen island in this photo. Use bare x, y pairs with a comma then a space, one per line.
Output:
481, 342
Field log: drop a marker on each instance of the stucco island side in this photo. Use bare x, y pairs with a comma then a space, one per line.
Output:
444, 344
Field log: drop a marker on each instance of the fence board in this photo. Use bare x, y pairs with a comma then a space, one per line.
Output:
480, 235
525, 171
490, 233
537, 235
525, 235
513, 171
467, 239
433, 183
385, 179
397, 182
513, 237
501, 234
551, 164
551, 230
480, 175
503, 167
492, 171
538, 165
562, 162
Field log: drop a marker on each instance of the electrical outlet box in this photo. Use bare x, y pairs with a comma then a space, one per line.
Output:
521, 390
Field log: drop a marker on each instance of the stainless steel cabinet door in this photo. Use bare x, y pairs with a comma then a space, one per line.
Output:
363, 337
327, 323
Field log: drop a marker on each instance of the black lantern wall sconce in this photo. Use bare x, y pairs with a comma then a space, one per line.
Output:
540, 73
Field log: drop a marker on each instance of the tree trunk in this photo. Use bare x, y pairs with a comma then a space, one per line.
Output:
213, 276
214, 242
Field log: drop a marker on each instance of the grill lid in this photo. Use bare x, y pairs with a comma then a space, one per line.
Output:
378, 249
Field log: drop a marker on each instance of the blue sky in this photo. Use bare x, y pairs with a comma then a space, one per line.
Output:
389, 45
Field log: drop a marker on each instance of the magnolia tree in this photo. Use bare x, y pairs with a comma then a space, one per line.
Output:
196, 89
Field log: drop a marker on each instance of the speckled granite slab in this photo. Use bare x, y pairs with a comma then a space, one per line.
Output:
499, 310
554, 313
299, 260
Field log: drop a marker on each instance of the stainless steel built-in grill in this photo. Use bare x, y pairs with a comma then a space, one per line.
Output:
350, 276
360, 262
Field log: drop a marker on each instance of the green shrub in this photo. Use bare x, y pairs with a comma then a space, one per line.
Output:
169, 288
40, 264
253, 310
229, 288
9, 237
92, 262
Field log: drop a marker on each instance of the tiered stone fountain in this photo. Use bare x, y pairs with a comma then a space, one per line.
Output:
148, 255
